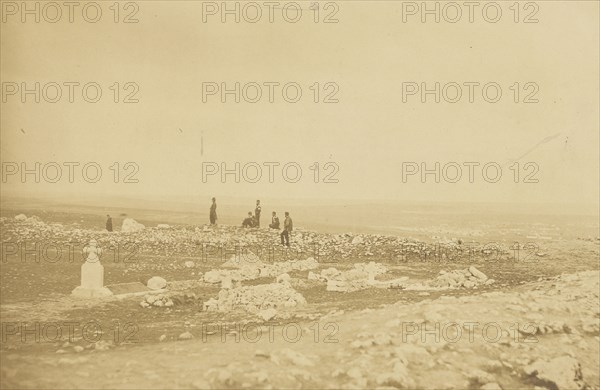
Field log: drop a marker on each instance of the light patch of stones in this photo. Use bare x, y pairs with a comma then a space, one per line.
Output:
255, 299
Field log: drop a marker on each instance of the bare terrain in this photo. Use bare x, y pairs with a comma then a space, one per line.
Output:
531, 320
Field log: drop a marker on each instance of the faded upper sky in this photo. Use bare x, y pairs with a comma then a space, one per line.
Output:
369, 133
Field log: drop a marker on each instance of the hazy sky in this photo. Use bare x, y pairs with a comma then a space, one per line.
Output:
369, 133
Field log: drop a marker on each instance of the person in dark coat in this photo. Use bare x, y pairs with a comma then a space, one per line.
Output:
213, 212
274, 221
108, 223
257, 211
287, 229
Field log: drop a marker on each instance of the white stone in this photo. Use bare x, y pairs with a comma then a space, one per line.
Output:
226, 283
186, 336
357, 240
477, 273
156, 283
267, 314
21, 217
130, 225
163, 226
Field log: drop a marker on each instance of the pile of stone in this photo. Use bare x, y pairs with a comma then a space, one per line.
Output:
256, 298
360, 277
223, 275
249, 267
160, 300
281, 267
465, 278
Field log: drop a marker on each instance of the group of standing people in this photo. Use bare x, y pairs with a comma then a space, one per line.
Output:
253, 221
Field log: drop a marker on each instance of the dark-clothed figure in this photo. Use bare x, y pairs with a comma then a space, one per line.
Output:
250, 221
108, 223
287, 229
274, 221
213, 212
257, 211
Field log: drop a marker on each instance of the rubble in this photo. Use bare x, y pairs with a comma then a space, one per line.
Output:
168, 300
360, 277
467, 278
157, 301
561, 373
256, 298
211, 244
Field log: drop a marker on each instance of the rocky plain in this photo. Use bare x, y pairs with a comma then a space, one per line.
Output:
197, 306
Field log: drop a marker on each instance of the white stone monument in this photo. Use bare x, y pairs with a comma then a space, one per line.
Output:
92, 274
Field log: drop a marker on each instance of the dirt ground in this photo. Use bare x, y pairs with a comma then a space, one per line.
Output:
545, 304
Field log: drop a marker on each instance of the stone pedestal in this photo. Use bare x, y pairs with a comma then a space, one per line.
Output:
92, 281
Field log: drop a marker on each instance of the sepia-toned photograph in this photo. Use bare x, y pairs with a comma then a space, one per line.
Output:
306, 194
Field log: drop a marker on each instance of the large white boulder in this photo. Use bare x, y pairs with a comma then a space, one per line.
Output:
156, 283
131, 225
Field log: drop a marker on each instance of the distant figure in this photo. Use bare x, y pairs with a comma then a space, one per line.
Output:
108, 223
250, 221
213, 212
274, 221
257, 211
287, 229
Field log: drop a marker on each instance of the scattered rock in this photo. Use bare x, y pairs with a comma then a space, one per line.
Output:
563, 372
267, 314
256, 298
186, 336
283, 278
156, 283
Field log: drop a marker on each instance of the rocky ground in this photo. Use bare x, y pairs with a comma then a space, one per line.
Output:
336, 310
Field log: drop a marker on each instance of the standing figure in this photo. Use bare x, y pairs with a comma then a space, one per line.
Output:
213, 212
287, 229
257, 213
274, 221
108, 223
